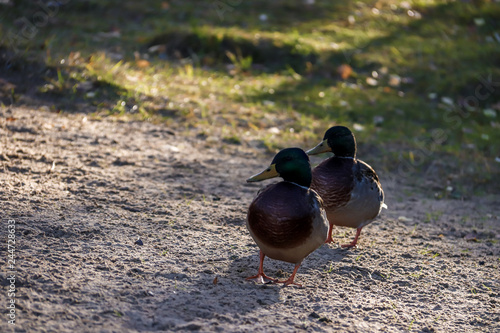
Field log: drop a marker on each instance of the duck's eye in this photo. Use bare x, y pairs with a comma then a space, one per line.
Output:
268, 169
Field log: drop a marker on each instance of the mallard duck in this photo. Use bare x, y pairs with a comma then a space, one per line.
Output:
286, 219
350, 188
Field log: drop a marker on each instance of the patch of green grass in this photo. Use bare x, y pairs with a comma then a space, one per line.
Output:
411, 324
234, 139
486, 287
329, 269
413, 230
187, 200
417, 80
428, 252
431, 217
425, 251
417, 275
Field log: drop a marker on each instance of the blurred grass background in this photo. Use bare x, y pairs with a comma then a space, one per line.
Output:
417, 81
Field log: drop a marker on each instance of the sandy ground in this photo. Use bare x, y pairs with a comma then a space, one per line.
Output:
82, 192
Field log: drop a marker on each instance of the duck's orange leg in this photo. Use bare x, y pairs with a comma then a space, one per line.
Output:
353, 243
260, 275
289, 281
329, 239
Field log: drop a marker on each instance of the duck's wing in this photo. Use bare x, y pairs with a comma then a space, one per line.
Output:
366, 175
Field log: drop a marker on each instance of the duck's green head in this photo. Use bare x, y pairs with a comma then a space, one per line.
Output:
339, 140
291, 164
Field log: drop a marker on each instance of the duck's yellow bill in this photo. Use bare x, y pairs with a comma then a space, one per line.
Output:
266, 174
322, 147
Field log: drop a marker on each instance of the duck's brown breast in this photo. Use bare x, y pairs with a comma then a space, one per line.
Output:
333, 180
282, 215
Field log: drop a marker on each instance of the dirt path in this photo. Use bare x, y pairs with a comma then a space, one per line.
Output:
83, 191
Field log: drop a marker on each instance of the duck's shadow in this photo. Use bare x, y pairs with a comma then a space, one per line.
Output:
213, 299
231, 295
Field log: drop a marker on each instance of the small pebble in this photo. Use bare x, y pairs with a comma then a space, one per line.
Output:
314, 315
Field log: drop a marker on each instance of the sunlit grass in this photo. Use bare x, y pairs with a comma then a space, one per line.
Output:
269, 74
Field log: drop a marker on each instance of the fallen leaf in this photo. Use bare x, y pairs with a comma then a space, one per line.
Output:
479, 21
344, 71
142, 63
394, 80
371, 81
447, 100
358, 127
254, 127
274, 130
74, 58
490, 113
216, 279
